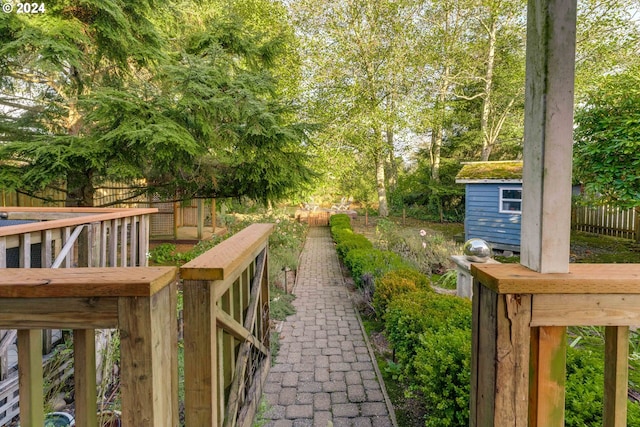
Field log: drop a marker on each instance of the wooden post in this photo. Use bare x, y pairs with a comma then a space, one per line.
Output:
404, 216
148, 347
616, 376
176, 213
548, 368
84, 358
546, 213
636, 226
213, 216
30, 377
199, 204
200, 355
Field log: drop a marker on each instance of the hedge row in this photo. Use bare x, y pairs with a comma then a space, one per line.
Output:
430, 333
431, 338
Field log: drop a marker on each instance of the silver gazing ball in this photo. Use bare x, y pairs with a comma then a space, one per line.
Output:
477, 250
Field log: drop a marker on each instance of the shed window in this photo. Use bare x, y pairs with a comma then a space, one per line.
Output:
511, 200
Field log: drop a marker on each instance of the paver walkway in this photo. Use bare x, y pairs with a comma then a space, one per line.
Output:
323, 373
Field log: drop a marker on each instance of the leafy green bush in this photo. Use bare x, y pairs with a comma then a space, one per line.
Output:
352, 242
584, 390
388, 288
411, 315
397, 282
443, 374
372, 262
340, 221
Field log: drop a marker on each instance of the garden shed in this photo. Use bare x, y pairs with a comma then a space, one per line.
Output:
493, 206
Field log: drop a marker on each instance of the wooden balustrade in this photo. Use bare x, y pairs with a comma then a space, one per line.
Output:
72, 237
519, 339
139, 301
226, 330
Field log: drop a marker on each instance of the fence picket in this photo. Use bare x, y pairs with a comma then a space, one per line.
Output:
607, 220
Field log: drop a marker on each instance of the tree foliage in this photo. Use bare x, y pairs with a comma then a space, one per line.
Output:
184, 95
607, 147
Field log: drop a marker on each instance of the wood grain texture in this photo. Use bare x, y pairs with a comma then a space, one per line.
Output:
512, 360
590, 309
84, 361
84, 282
200, 355
30, 377
616, 376
581, 279
91, 215
548, 377
147, 346
67, 313
224, 259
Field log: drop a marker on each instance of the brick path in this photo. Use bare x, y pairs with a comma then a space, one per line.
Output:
323, 373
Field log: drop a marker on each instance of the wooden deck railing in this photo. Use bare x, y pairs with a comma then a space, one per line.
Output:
139, 301
226, 333
519, 339
226, 330
75, 237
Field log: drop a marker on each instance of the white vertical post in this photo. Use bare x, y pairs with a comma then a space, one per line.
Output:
546, 216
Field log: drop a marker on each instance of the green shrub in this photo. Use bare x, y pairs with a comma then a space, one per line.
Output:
371, 262
351, 242
340, 221
341, 234
411, 315
443, 375
388, 288
397, 282
584, 390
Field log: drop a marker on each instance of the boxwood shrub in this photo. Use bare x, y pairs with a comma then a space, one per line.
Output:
372, 262
443, 374
585, 391
340, 221
395, 283
349, 243
411, 315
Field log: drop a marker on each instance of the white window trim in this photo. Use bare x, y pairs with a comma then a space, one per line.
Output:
501, 199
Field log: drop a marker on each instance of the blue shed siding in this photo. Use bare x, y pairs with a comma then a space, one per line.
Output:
483, 218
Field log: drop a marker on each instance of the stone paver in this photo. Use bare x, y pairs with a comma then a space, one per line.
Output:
323, 373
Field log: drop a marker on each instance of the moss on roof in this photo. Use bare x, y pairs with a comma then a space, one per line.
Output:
491, 170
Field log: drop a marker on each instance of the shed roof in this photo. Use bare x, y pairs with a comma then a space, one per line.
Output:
479, 172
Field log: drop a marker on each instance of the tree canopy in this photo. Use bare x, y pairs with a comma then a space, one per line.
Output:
607, 140
183, 95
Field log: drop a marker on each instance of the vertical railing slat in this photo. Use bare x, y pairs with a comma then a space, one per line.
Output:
84, 358
616, 376
113, 243
135, 260
25, 250
30, 377
3, 252
123, 242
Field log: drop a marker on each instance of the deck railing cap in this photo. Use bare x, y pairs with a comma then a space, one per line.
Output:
220, 261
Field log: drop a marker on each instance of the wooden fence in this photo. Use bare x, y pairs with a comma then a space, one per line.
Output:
607, 220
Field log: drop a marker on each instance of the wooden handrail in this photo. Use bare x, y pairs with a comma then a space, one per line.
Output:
581, 279
91, 215
519, 339
226, 328
141, 302
219, 262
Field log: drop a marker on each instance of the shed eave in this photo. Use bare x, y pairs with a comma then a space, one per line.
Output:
488, 181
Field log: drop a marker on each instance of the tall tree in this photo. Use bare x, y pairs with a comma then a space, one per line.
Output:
186, 99
355, 74
607, 135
